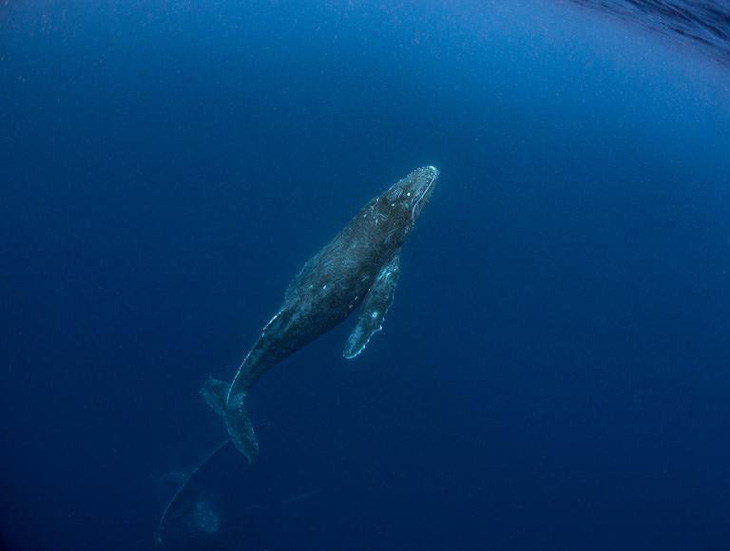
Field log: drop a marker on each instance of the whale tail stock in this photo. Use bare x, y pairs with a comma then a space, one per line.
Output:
233, 409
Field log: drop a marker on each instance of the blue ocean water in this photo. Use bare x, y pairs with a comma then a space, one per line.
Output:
703, 23
553, 373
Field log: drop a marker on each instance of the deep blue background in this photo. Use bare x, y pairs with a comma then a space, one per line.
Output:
554, 371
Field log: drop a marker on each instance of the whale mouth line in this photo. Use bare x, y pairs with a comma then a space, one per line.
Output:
415, 209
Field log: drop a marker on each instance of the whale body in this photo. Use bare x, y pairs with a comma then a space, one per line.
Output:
358, 268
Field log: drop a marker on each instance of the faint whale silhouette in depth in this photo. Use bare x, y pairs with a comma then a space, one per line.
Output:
191, 517
188, 521
360, 265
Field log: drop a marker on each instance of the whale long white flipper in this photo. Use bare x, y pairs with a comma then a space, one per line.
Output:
374, 308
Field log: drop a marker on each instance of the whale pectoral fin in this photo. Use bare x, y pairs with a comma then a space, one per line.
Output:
215, 393
374, 308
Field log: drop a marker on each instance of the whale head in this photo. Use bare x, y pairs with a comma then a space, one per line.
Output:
407, 197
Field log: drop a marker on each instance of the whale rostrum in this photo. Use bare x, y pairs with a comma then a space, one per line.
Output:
358, 268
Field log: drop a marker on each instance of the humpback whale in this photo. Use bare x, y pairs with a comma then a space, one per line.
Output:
358, 268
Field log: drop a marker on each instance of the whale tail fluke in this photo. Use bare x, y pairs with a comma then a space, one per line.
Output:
233, 408
240, 427
215, 393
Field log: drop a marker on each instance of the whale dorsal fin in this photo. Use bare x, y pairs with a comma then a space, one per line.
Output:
374, 307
